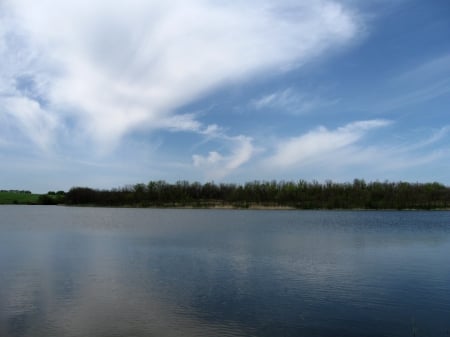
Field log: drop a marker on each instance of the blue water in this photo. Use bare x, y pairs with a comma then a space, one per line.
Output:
148, 272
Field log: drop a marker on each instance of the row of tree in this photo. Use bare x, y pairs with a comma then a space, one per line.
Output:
300, 194
15, 191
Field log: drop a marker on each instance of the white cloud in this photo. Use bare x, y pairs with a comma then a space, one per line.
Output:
317, 145
213, 158
212, 130
291, 101
218, 166
343, 154
186, 122
114, 67
38, 125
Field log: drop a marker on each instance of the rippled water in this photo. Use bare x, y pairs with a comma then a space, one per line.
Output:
147, 272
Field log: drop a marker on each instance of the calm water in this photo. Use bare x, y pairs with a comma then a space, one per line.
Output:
146, 272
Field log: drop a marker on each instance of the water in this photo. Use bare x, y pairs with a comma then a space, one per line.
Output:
147, 272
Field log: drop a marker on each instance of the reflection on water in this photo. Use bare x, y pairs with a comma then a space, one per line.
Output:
143, 272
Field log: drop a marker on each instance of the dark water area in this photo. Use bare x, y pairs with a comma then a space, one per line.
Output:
149, 272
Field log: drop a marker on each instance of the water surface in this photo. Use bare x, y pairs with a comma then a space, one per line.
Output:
149, 272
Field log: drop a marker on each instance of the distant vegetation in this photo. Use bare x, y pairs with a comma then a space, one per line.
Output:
17, 197
300, 195
28, 198
52, 198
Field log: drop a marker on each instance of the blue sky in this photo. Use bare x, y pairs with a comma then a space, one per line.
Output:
107, 93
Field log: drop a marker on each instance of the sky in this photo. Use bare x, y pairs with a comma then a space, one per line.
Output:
110, 93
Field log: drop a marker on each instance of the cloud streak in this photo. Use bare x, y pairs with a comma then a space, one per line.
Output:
346, 152
317, 145
108, 68
292, 102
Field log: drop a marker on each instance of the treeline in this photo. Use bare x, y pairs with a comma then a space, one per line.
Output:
52, 198
301, 195
15, 191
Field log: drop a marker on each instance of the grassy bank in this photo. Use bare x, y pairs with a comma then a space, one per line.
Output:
18, 198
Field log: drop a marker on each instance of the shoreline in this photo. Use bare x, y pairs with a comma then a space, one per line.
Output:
238, 208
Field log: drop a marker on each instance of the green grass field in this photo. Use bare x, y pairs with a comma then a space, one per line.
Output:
18, 198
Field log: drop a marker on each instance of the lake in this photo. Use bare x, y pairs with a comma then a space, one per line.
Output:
69, 271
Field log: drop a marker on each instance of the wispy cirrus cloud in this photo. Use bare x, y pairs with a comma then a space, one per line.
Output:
427, 71
423, 83
341, 152
105, 69
419, 93
317, 145
27, 115
291, 101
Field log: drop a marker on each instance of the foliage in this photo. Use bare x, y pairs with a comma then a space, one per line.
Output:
300, 194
